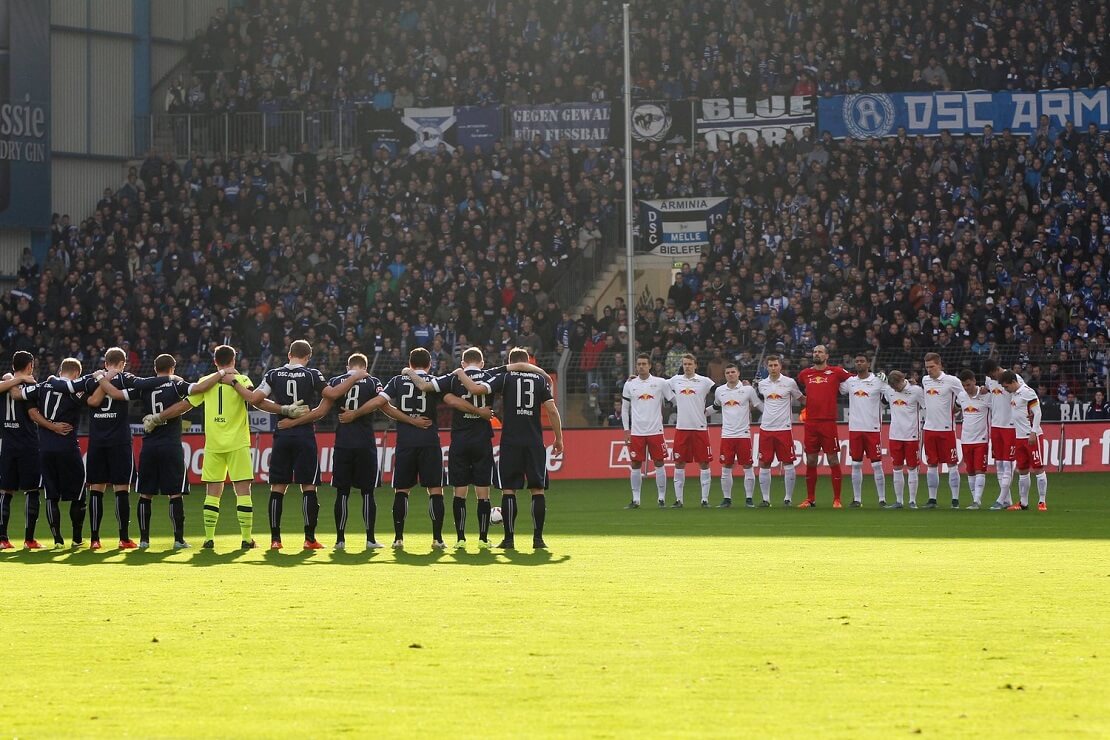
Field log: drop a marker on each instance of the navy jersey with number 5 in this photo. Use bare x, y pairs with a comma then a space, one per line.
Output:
291, 383
524, 395
108, 423
359, 434
401, 392
157, 394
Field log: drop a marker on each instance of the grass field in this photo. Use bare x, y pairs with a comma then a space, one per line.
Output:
692, 622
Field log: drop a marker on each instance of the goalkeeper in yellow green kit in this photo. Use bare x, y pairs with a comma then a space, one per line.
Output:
227, 442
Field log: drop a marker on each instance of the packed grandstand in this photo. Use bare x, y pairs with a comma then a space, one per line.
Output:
991, 245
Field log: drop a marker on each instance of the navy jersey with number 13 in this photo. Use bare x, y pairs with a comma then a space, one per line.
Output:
524, 395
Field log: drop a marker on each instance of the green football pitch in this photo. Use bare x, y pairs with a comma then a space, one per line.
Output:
651, 622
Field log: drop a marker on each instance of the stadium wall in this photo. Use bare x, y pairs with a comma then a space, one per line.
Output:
600, 453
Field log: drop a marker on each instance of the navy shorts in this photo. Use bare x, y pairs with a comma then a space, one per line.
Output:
20, 470
295, 460
523, 464
114, 465
63, 474
162, 471
470, 462
355, 468
417, 464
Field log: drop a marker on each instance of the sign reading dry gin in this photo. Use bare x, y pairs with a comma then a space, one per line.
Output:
722, 121
679, 227
585, 123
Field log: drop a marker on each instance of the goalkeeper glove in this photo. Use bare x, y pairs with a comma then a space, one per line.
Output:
881, 377
152, 422
294, 410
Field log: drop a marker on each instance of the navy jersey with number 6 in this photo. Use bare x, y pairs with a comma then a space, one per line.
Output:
466, 425
401, 392
157, 394
108, 423
291, 383
359, 434
524, 395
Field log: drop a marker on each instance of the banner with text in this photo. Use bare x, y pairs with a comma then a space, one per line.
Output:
25, 114
874, 115
478, 126
658, 121
679, 228
584, 123
722, 121
601, 453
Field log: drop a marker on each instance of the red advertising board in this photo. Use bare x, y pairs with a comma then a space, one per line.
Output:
600, 453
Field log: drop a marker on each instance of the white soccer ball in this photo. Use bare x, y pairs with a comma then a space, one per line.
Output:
495, 514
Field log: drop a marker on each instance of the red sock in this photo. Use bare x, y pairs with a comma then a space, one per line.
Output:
811, 482
837, 476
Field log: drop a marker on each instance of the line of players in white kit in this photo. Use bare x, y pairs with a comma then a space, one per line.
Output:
1003, 415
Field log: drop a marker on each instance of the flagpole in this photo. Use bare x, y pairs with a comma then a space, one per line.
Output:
630, 305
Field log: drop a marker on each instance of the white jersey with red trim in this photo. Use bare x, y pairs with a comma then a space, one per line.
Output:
976, 412
940, 401
1026, 412
778, 396
690, 396
735, 405
905, 412
1002, 416
642, 405
865, 396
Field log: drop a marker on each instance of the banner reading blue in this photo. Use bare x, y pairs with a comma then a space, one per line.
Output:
24, 114
874, 115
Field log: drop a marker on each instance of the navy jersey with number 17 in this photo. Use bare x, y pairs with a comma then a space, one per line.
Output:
523, 396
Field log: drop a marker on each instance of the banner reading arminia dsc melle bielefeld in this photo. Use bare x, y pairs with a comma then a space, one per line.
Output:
873, 115
722, 121
679, 227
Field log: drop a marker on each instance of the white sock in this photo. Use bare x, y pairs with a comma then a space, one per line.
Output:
679, 483
932, 479
1023, 488
789, 475
661, 482
1042, 485
857, 481
637, 478
765, 483
726, 482
913, 485
706, 481
899, 484
749, 485
880, 480
1005, 480
954, 482
977, 487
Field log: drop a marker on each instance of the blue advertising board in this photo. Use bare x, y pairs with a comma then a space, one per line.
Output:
24, 114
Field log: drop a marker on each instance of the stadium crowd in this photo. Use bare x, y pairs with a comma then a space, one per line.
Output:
269, 55
991, 246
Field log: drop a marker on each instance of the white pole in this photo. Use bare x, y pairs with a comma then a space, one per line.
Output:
630, 305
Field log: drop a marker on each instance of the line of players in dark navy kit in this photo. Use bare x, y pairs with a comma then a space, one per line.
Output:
40, 451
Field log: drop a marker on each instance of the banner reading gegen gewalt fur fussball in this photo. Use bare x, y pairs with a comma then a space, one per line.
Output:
600, 453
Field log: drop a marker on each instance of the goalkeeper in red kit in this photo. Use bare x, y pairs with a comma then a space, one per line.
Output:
821, 385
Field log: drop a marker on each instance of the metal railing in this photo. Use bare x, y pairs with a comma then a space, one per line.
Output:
217, 134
